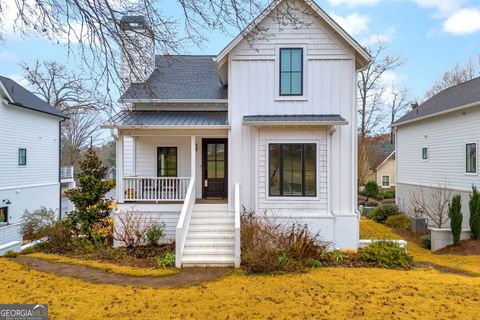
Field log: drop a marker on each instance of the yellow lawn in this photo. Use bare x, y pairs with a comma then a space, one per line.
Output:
372, 230
333, 293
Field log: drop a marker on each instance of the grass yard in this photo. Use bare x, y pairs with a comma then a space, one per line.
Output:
331, 293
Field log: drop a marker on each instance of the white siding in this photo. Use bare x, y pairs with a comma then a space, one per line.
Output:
386, 169
446, 137
36, 184
128, 156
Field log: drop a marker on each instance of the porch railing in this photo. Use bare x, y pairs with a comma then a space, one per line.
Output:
184, 222
155, 188
66, 173
237, 224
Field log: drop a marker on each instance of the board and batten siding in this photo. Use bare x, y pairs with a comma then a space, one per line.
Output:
36, 184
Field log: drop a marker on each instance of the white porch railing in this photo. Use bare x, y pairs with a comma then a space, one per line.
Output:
66, 173
10, 237
184, 222
237, 225
155, 188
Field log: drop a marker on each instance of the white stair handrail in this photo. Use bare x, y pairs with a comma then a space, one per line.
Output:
183, 222
237, 225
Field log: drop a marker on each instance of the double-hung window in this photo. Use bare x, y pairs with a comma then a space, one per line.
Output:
291, 71
292, 169
22, 157
425, 153
471, 158
386, 181
166, 161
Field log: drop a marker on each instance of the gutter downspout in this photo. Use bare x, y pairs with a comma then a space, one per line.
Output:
60, 167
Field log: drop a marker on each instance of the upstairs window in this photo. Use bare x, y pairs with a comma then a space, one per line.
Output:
291, 71
425, 153
22, 157
471, 162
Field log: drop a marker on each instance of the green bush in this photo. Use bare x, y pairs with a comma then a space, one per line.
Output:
36, 224
474, 205
28, 250
455, 215
10, 254
371, 189
383, 212
166, 260
389, 195
155, 233
399, 221
386, 254
426, 241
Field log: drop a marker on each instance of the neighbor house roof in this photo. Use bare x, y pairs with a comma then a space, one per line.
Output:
460, 96
378, 153
180, 77
318, 119
175, 119
21, 97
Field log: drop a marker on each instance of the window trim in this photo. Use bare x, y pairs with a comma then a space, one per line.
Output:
304, 48
269, 196
178, 159
428, 153
280, 72
476, 158
18, 158
389, 181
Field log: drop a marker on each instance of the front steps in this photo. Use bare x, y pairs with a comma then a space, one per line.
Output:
211, 237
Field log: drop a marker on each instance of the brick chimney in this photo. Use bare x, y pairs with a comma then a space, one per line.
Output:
138, 53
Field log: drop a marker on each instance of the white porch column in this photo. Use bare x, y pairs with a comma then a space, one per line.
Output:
193, 154
119, 165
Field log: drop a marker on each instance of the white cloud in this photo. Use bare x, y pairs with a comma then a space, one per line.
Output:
8, 56
353, 3
444, 8
465, 21
384, 37
354, 23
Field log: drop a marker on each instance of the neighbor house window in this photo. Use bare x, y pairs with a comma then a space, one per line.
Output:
425, 153
166, 161
292, 169
386, 181
471, 163
291, 71
22, 157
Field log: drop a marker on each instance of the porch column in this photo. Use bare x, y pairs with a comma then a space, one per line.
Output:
193, 151
119, 165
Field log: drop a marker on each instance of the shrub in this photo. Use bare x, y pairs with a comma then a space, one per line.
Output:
455, 215
399, 221
59, 238
474, 206
426, 241
10, 254
132, 227
389, 195
383, 212
371, 189
269, 247
166, 260
155, 233
36, 224
386, 254
28, 250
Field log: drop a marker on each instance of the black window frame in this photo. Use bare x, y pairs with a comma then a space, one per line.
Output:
20, 157
176, 161
474, 162
425, 154
291, 72
281, 160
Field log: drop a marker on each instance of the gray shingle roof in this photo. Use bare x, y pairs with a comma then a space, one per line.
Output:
25, 99
295, 118
170, 118
180, 77
379, 152
457, 96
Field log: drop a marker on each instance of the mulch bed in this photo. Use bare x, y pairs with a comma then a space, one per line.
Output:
187, 276
410, 236
466, 248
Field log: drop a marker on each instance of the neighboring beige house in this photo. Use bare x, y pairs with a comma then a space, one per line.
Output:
382, 161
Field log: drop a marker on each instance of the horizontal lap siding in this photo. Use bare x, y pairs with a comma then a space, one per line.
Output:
446, 137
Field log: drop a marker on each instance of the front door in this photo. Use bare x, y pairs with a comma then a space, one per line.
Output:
214, 164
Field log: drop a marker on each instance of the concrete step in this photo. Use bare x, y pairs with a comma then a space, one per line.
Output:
210, 235
213, 214
211, 228
208, 261
212, 221
209, 251
202, 242
211, 207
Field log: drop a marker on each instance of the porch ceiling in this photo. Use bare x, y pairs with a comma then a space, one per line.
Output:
169, 119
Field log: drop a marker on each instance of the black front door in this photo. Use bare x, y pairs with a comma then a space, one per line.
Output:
214, 164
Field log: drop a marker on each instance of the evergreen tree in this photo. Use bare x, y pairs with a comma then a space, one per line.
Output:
89, 197
455, 215
474, 205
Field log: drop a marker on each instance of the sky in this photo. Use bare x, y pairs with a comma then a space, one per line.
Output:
432, 35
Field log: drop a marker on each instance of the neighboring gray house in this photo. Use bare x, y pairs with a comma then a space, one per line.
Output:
269, 124
437, 145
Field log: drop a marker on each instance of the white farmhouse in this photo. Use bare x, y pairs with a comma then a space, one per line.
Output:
29, 157
437, 146
268, 125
